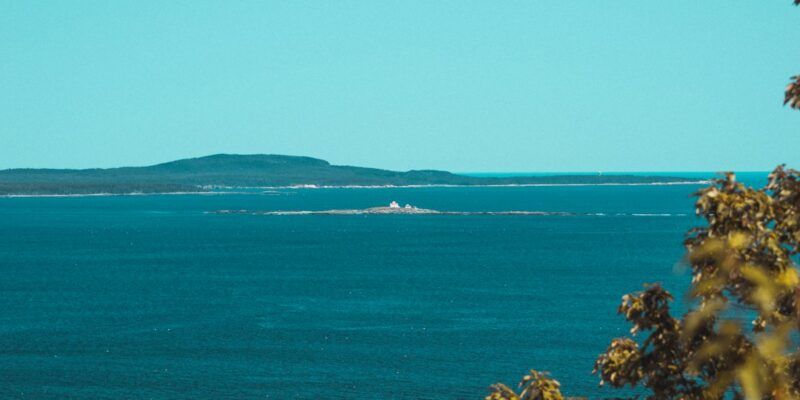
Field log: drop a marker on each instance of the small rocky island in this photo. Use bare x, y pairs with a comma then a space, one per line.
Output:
392, 208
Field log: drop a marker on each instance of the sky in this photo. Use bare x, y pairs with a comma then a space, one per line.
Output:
583, 85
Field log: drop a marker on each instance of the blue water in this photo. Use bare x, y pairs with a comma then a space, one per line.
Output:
151, 297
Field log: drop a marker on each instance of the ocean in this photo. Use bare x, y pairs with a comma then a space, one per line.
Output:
153, 297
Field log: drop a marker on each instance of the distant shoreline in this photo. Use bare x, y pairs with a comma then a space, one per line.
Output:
242, 190
270, 172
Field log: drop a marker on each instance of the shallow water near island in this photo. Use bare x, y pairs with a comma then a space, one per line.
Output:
155, 297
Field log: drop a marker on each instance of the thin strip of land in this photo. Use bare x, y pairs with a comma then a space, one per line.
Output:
228, 171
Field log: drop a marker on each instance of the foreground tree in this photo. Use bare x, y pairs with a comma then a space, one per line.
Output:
735, 342
739, 339
792, 97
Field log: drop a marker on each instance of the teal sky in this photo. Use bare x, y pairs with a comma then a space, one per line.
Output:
626, 85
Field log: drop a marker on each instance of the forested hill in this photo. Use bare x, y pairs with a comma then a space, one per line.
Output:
226, 170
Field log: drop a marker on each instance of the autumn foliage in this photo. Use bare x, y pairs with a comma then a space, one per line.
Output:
739, 339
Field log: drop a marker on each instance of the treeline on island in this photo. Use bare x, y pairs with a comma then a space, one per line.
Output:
237, 171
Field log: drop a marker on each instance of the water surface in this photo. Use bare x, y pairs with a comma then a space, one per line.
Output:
151, 297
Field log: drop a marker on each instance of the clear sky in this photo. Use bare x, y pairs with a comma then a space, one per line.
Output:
624, 85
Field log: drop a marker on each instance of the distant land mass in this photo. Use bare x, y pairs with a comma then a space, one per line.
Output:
225, 171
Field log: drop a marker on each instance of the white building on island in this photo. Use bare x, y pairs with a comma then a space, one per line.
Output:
394, 204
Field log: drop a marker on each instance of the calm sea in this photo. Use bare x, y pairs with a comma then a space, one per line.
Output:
134, 297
